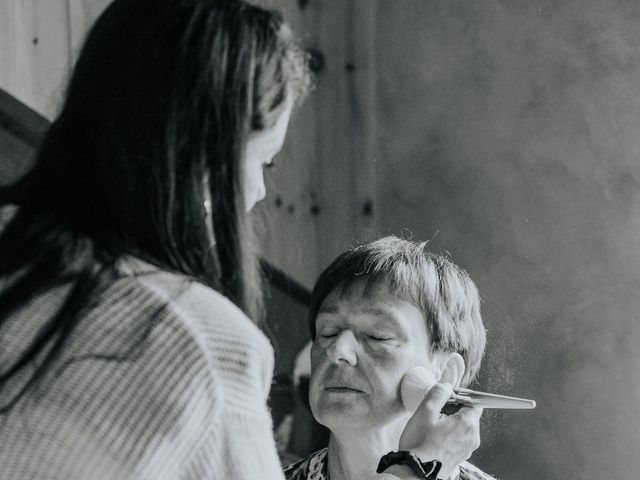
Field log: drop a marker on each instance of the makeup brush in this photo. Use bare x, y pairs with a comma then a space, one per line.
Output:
418, 380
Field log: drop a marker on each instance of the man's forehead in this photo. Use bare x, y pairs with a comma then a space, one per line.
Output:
358, 290
378, 302
376, 309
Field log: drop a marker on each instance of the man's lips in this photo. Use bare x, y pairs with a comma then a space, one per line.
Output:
342, 388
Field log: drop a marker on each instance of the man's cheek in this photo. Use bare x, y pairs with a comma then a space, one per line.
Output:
390, 359
388, 371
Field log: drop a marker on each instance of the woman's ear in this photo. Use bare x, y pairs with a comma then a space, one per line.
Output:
451, 368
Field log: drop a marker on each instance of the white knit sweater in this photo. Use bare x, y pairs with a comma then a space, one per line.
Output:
189, 402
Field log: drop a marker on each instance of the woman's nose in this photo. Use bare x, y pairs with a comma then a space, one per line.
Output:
344, 349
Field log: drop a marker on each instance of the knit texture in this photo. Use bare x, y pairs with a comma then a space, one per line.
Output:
163, 378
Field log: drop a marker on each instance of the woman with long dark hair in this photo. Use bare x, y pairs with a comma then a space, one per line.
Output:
127, 276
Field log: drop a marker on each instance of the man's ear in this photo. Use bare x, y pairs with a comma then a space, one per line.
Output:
451, 366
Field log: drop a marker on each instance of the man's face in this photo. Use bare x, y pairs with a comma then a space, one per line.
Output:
363, 347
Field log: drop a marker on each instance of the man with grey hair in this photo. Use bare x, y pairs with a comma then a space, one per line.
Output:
377, 311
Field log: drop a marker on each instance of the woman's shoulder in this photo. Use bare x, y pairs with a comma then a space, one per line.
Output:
198, 305
233, 345
201, 309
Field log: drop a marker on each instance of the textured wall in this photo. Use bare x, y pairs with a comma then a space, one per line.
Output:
510, 132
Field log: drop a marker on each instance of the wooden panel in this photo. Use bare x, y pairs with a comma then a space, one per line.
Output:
362, 83
287, 214
335, 181
325, 199
346, 137
34, 51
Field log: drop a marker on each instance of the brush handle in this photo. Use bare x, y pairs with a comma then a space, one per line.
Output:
471, 398
418, 380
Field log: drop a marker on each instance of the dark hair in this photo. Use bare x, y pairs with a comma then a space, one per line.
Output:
163, 96
443, 292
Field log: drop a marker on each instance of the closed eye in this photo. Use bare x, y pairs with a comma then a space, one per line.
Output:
379, 339
328, 335
329, 332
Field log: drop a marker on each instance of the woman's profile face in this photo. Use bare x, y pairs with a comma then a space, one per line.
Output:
262, 146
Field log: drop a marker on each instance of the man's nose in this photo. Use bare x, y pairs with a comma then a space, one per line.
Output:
344, 349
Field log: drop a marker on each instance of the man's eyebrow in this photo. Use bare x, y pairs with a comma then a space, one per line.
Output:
377, 311
328, 309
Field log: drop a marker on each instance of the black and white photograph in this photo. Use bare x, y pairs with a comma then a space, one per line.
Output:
319, 239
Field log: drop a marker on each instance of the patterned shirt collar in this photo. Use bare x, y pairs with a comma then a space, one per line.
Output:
315, 467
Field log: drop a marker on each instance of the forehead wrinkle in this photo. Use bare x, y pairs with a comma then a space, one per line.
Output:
354, 299
380, 312
356, 313
386, 315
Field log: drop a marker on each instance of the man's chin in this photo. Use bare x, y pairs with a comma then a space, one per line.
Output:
339, 411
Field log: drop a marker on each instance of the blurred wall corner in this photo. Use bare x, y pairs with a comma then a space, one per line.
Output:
20, 132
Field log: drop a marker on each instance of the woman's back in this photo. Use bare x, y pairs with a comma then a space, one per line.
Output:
133, 371
183, 396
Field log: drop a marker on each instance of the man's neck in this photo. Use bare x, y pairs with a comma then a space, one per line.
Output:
354, 455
